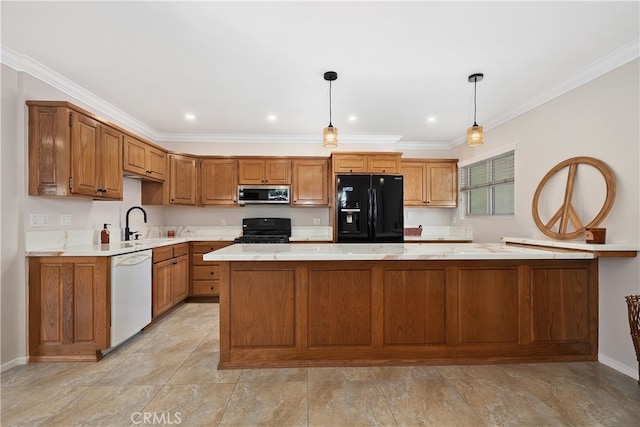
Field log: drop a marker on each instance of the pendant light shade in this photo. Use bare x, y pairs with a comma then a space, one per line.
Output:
330, 133
475, 134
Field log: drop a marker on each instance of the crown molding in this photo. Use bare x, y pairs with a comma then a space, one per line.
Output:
609, 62
23, 63
26, 64
271, 139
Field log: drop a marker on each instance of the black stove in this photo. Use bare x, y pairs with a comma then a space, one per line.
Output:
265, 230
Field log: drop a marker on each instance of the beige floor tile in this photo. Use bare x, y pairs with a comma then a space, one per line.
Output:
267, 404
398, 373
473, 371
428, 403
104, 406
348, 403
191, 405
273, 375
506, 402
172, 343
202, 368
30, 406
145, 369
341, 374
210, 343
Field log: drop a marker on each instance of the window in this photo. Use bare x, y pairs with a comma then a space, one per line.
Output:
487, 187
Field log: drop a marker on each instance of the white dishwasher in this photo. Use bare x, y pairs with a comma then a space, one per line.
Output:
130, 294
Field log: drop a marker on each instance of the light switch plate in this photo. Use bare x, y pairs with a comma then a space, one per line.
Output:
316, 221
65, 219
39, 220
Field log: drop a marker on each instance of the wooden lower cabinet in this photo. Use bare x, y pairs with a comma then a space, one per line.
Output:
69, 317
170, 277
321, 313
205, 275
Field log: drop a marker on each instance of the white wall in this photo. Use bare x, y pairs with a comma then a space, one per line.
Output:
600, 119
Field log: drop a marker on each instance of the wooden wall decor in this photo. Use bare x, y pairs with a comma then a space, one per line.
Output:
566, 212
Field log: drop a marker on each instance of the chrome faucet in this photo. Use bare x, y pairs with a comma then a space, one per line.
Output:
128, 233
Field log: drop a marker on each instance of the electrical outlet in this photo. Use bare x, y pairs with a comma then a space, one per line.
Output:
39, 220
316, 221
409, 215
223, 221
65, 219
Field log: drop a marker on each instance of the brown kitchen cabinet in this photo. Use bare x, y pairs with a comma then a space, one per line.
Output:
69, 315
182, 179
356, 162
205, 275
218, 182
430, 182
264, 171
310, 182
170, 277
72, 153
144, 159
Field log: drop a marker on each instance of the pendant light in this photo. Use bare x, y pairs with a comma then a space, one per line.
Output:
475, 135
330, 133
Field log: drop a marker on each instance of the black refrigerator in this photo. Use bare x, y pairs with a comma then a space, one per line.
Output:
369, 208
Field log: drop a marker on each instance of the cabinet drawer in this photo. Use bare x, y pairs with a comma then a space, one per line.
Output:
206, 247
162, 254
206, 272
206, 287
349, 163
180, 249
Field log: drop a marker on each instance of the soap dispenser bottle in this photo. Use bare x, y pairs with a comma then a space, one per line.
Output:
104, 234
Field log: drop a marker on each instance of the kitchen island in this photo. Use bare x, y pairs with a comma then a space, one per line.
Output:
287, 305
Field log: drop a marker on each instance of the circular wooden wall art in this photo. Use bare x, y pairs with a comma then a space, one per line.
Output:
566, 213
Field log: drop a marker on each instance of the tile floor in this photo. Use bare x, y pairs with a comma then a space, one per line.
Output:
167, 376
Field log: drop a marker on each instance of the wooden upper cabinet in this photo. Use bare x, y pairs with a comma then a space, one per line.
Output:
310, 182
264, 171
144, 159
387, 163
72, 154
432, 183
218, 181
183, 179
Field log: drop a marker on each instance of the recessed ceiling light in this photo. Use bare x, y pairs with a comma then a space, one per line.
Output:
190, 117
272, 117
352, 118
431, 119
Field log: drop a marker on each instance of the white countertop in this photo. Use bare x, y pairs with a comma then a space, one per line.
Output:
390, 251
573, 244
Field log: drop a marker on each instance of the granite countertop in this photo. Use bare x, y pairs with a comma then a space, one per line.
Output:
390, 251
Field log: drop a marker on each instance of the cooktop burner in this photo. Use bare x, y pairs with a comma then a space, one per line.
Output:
265, 230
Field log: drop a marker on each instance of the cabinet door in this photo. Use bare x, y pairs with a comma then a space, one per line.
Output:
68, 306
379, 163
134, 156
182, 180
250, 172
157, 163
310, 182
162, 297
277, 171
349, 163
415, 179
85, 135
179, 279
219, 181
110, 163
442, 184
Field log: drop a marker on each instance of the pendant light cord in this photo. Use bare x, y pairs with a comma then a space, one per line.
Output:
475, 88
330, 125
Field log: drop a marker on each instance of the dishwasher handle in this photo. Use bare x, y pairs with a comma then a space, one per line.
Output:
132, 259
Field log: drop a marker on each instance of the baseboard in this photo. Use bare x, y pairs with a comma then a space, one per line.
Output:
612, 363
15, 362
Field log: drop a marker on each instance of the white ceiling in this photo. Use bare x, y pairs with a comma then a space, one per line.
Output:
232, 64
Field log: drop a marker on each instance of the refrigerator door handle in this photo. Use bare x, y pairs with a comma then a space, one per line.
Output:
370, 224
374, 208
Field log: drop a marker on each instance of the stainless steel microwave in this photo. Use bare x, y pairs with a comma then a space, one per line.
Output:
263, 194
